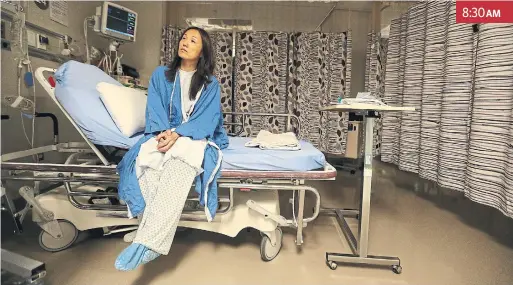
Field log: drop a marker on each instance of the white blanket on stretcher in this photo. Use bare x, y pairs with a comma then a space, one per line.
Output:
268, 140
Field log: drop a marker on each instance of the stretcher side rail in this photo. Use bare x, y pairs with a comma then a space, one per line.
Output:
239, 119
63, 173
327, 173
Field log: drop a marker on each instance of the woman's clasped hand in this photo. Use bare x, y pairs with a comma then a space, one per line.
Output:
166, 140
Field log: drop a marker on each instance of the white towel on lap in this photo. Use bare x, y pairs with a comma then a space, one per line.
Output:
268, 140
187, 150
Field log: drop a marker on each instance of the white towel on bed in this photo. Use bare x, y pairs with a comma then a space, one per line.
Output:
268, 140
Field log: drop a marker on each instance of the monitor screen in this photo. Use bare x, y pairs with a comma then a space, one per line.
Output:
120, 21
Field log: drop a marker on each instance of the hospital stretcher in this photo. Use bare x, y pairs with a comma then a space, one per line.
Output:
248, 193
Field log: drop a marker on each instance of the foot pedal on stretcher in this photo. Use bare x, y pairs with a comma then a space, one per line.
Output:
277, 218
44, 218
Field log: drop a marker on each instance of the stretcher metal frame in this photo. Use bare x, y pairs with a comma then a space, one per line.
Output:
86, 164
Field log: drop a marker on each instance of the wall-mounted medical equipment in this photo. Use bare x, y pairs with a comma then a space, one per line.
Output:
41, 42
114, 22
118, 22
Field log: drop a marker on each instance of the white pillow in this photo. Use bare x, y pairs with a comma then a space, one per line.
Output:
126, 106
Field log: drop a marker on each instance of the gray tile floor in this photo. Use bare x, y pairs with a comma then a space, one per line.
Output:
440, 237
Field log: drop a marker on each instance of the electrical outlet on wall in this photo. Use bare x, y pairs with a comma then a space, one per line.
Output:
42, 42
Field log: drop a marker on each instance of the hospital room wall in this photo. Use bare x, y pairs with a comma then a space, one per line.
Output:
288, 17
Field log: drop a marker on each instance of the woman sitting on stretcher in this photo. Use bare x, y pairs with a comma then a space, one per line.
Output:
183, 140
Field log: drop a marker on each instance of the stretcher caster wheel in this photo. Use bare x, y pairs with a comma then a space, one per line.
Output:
267, 251
332, 265
69, 236
397, 269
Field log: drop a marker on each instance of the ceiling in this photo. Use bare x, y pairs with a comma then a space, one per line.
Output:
365, 6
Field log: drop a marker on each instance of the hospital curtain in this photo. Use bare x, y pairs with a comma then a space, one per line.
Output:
375, 68
316, 79
333, 126
433, 88
412, 88
459, 78
223, 48
456, 103
393, 93
489, 172
261, 79
169, 43
380, 91
370, 61
348, 47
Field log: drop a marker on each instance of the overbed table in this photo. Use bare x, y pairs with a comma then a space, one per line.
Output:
359, 246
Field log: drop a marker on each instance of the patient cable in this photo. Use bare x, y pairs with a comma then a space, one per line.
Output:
31, 142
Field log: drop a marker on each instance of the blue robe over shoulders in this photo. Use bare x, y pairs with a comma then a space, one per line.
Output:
205, 122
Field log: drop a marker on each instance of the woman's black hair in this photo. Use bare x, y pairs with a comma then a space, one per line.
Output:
204, 69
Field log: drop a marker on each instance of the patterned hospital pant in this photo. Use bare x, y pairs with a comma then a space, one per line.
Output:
165, 193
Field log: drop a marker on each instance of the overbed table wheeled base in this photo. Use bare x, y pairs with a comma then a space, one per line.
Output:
359, 247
